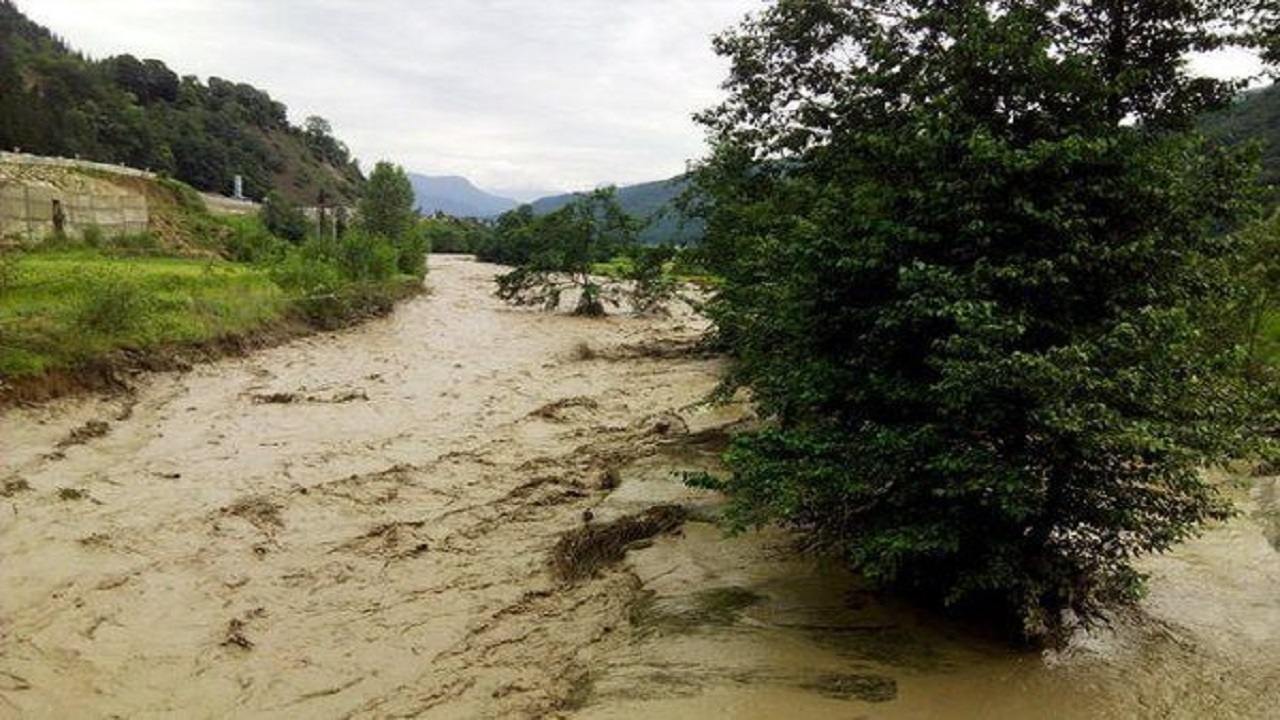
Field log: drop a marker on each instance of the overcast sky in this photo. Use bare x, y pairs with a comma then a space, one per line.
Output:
513, 94
520, 96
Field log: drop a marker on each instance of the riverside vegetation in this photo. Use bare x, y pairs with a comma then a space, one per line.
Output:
70, 303
998, 300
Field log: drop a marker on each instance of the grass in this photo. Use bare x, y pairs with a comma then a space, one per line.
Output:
62, 308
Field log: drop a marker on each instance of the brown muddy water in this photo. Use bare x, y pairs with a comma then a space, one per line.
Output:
359, 524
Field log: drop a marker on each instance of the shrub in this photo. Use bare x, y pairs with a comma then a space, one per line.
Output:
283, 219
367, 257
110, 301
247, 240
413, 255
93, 236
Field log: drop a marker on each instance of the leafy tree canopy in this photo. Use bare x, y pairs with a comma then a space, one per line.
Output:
975, 270
387, 210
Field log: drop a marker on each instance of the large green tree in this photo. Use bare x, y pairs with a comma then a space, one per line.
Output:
387, 210
970, 252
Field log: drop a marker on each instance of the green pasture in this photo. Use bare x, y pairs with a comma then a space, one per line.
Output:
61, 308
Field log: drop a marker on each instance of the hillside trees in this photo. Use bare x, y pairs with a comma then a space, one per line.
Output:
971, 252
138, 112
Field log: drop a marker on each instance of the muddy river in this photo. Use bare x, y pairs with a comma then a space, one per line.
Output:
359, 524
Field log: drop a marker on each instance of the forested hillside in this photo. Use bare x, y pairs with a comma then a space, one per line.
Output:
54, 101
1254, 117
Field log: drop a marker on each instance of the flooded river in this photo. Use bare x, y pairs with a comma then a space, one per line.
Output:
359, 524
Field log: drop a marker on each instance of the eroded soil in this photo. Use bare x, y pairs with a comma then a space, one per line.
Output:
363, 524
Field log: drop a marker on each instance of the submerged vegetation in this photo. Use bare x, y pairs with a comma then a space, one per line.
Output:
589, 248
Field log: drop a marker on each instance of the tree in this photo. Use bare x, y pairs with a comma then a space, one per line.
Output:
387, 210
283, 219
556, 251
969, 253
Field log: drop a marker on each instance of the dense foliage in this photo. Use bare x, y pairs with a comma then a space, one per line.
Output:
1255, 117
445, 234
975, 272
142, 114
387, 211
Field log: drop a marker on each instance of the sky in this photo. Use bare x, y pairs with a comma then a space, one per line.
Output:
522, 97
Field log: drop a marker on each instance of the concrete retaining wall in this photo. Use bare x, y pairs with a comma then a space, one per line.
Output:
35, 190
11, 158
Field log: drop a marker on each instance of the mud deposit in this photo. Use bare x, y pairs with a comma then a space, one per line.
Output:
363, 524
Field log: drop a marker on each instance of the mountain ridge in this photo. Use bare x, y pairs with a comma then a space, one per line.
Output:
457, 196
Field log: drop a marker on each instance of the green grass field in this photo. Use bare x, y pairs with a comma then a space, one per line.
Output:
59, 309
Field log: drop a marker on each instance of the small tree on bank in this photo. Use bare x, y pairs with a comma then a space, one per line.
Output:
970, 252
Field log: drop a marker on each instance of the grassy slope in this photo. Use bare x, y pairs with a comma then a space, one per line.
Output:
60, 309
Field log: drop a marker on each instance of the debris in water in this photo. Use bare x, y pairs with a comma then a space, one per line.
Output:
555, 411
583, 551
85, 433
288, 398
13, 486
235, 635
608, 479
584, 352
258, 510
869, 688
666, 423
280, 398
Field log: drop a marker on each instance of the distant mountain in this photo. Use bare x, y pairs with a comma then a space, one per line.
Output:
652, 203
456, 196
1253, 117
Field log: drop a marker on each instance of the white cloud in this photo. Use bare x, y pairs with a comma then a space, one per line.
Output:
511, 93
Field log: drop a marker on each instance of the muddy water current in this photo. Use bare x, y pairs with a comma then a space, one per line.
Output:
359, 524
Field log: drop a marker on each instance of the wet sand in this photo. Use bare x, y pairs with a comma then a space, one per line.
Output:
358, 525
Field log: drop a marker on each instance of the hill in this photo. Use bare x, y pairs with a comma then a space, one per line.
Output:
139, 113
652, 203
456, 196
1255, 116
